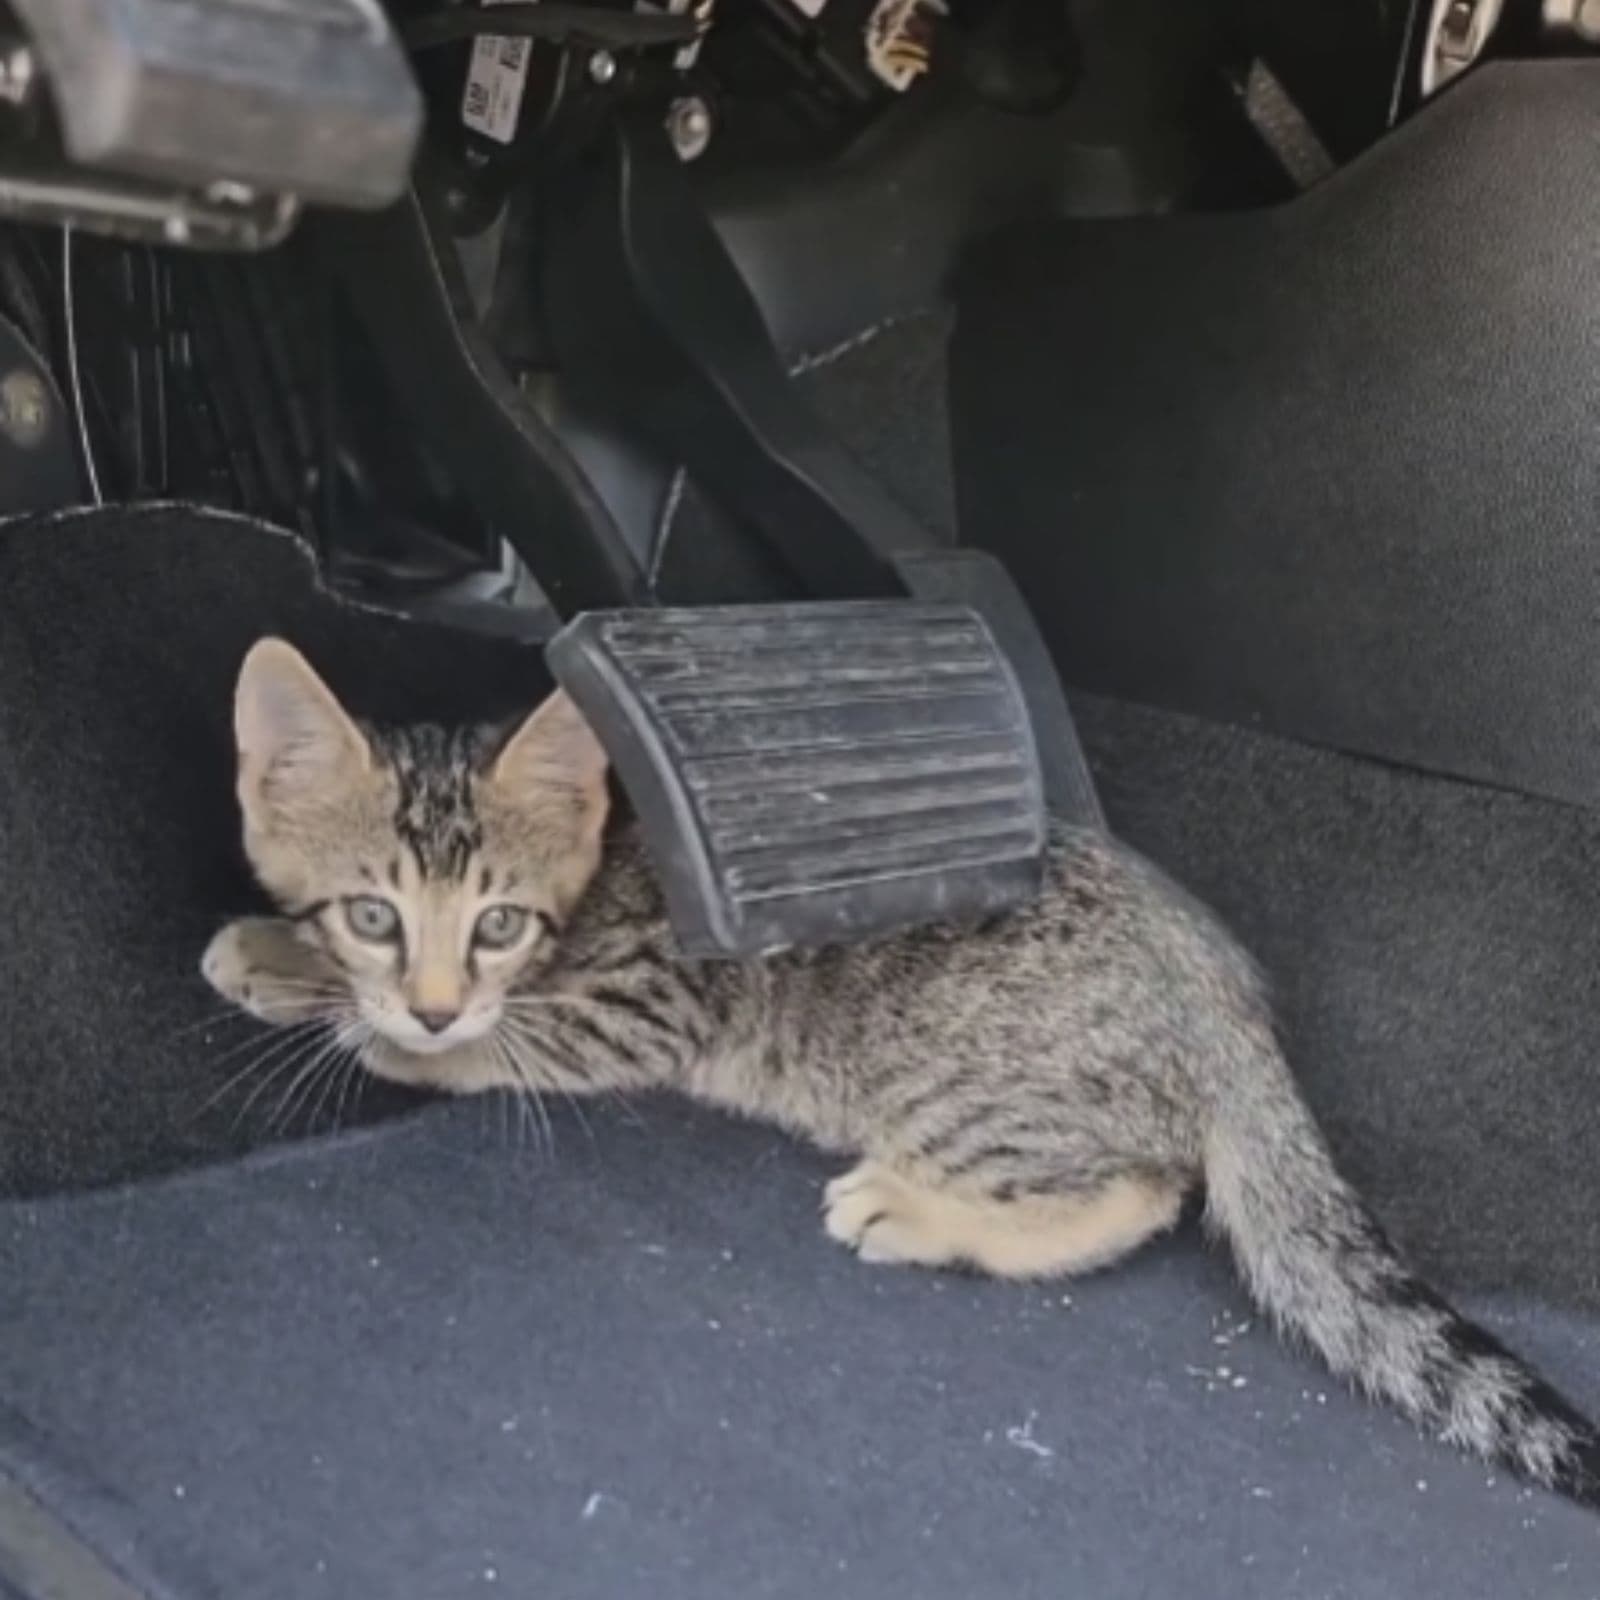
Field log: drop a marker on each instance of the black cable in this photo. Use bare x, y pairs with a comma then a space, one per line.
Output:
554, 22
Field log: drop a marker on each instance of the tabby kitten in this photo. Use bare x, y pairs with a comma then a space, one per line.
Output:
1030, 1096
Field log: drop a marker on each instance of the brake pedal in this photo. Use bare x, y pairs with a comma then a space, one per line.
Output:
815, 774
305, 97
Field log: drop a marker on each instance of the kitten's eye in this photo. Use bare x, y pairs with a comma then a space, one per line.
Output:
372, 919
500, 927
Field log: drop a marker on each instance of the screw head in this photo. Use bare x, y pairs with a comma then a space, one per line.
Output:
16, 75
689, 126
602, 67
24, 408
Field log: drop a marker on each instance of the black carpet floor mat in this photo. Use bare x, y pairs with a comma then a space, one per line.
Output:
1435, 948
420, 1364
1329, 468
883, 395
119, 856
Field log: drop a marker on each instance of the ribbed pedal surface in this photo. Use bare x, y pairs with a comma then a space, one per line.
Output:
815, 774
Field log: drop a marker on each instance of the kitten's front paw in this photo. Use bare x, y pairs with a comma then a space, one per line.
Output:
226, 967
885, 1218
259, 965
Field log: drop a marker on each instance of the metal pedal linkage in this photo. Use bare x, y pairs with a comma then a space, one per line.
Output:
805, 774
657, 327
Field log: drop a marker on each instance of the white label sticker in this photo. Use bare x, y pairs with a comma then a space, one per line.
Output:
492, 101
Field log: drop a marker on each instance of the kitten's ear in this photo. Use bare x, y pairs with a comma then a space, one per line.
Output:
555, 748
293, 736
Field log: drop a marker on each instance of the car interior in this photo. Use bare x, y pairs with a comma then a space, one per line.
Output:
1236, 366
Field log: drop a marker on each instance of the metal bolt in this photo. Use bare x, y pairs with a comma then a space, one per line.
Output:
602, 67
24, 408
689, 126
16, 74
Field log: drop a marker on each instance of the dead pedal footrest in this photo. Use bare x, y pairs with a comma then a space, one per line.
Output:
815, 774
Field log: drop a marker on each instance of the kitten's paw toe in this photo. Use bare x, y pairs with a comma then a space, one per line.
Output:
882, 1218
257, 964
223, 966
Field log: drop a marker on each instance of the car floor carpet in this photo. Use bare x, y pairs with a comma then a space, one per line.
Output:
882, 394
1435, 950
427, 1363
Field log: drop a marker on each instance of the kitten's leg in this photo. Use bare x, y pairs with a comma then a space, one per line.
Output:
888, 1216
262, 966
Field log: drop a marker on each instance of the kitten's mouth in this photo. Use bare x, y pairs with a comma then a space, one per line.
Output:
425, 1044
462, 1070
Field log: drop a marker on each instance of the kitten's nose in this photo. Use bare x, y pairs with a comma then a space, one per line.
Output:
435, 1021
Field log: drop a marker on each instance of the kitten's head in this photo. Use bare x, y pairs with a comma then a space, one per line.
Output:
434, 867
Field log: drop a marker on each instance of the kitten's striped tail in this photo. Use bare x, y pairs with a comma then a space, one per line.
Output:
1317, 1261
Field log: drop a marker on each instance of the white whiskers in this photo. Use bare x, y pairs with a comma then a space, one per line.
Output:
527, 1094
313, 1060
518, 1040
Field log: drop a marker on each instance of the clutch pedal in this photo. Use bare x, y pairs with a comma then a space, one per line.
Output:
815, 774
306, 97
